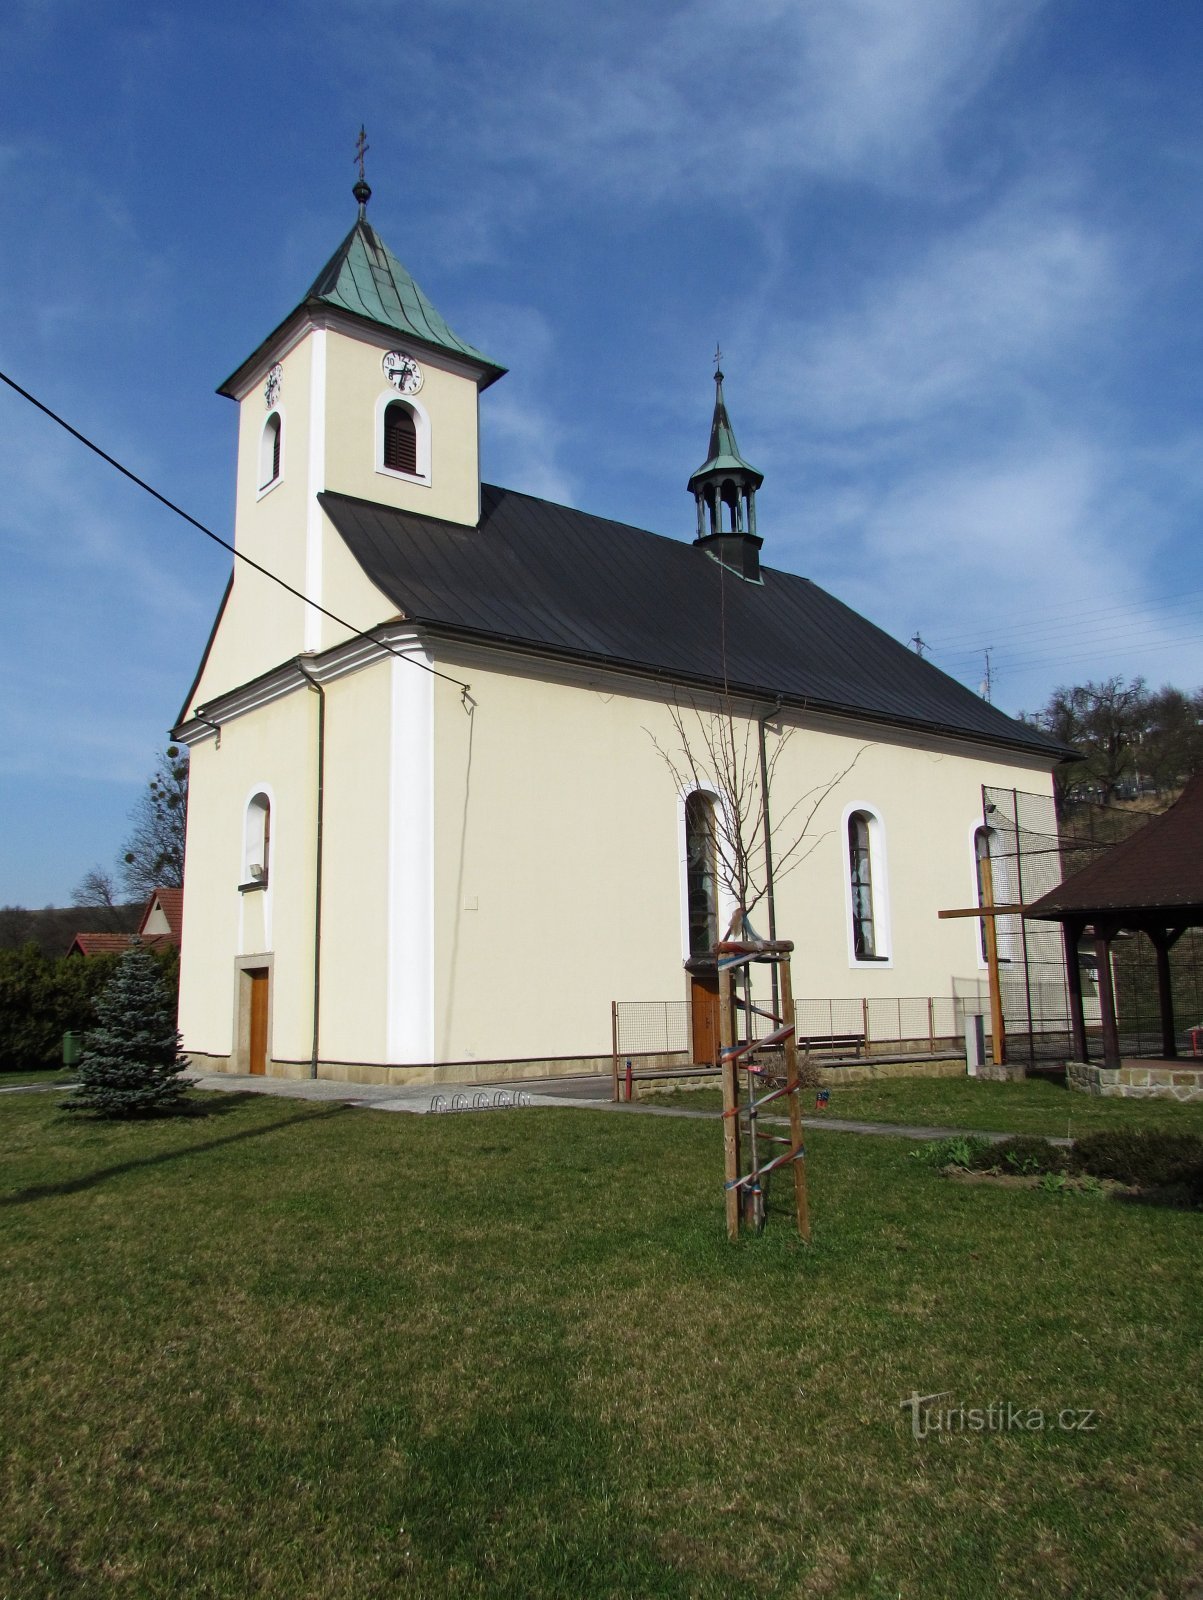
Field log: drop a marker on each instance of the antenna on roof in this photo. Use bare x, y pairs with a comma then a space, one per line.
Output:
361, 191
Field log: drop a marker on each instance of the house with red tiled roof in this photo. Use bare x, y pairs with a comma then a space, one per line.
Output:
160, 927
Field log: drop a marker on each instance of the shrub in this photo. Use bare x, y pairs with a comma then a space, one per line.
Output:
1150, 1158
961, 1150
1025, 1155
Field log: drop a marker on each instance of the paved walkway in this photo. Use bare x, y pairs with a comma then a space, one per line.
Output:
586, 1094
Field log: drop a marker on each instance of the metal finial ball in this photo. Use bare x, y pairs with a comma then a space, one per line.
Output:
361, 192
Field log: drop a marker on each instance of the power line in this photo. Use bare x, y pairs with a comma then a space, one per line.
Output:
1050, 621
357, 633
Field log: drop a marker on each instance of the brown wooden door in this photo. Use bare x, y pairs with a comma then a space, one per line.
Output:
258, 1051
703, 994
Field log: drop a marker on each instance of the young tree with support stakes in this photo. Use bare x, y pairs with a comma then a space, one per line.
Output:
131, 1060
716, 752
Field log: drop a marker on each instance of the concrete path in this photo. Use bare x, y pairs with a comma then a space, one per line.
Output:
585, 1094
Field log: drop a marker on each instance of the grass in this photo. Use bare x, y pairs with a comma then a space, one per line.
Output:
13, 1080
308, 1350
1035, 1105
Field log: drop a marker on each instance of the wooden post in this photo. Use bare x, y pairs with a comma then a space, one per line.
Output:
1071, 932
998, 1034
797, 1135
1165, 994
1102, 946
730, 1072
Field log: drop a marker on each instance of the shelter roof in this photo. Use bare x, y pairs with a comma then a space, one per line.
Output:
1157, 869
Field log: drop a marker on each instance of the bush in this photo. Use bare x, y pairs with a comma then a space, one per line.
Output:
1149, 1158
1025, 1155
40, 1000
961, 1150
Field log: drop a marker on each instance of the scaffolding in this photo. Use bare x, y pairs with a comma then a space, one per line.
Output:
757, 1073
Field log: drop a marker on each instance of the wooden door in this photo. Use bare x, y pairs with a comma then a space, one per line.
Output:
258, 1051
703, 994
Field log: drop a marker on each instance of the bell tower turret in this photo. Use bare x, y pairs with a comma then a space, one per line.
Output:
724, 489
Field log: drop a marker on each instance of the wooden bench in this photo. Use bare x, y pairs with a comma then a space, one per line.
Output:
832, 1043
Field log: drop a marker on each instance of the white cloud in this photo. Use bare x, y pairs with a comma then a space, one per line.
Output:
975, 320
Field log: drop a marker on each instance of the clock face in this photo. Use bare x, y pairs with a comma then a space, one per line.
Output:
271, 389
403, 372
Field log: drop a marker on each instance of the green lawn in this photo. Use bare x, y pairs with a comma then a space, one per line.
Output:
1032, 1106
297, 1350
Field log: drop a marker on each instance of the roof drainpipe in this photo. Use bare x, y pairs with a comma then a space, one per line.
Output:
317, 892
768, 845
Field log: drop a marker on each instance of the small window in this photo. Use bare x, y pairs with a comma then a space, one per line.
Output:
269, 451
257, 845
860, 875
701, 872
400, 439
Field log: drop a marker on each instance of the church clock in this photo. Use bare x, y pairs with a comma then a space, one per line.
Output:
403, 372
271, 389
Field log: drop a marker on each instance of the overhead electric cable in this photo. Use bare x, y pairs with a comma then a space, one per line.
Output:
357, 633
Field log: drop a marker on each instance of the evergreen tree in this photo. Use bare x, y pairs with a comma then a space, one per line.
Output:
131, 1060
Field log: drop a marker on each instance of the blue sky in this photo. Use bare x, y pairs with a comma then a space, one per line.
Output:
951, 250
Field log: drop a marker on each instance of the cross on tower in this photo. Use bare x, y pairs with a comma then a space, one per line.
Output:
718, 357
361, 149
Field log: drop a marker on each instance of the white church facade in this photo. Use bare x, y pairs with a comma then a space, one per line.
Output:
432, 831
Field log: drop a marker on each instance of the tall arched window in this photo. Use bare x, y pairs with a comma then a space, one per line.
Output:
400, 439
701, 872
860, 878
257, 841
269, 451
981, 852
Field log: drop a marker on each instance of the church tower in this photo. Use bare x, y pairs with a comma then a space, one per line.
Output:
364, 390
724, 488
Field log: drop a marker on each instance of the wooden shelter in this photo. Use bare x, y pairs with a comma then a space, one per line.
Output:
1151, 882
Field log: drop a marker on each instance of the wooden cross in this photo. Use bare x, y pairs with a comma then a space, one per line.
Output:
989, 912
361, 149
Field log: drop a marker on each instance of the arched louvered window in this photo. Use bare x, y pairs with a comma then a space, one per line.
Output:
400, 439
701, 868
269, 451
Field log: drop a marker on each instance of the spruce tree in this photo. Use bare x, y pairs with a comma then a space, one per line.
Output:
131, 1061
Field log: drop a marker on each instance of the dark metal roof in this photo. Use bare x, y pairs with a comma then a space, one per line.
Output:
551, 579
1157, 869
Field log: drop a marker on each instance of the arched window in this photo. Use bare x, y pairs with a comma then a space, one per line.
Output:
269, 451
981, 852
701, 873
400, 439
860, 878
257, 842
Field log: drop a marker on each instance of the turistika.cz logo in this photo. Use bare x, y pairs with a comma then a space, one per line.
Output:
1000, 1416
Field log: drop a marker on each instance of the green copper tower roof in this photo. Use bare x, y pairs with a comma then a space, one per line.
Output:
364, 277
724, 452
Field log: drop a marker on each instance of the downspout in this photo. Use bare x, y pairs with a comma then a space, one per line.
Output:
317, 892
770, 896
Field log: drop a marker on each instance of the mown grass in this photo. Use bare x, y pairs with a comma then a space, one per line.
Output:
307, 1350
1035, 1105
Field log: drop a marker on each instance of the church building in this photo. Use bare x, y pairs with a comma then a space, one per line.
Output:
453, 788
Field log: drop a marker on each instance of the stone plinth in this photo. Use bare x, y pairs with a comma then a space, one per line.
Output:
1137, 1080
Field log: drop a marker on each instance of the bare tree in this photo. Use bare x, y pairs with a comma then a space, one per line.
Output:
756, 843
154, 851
97, 894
